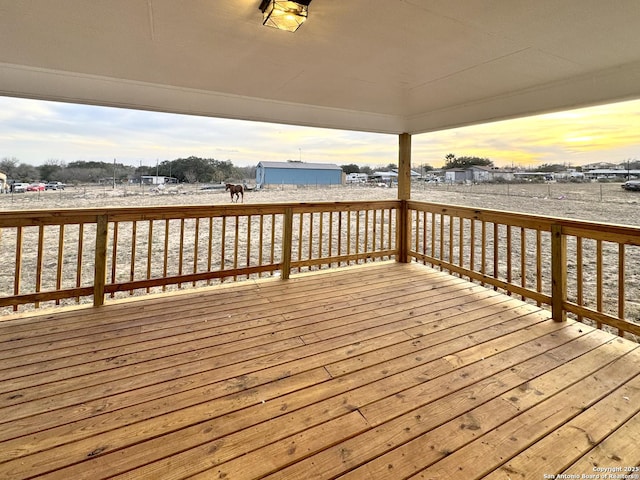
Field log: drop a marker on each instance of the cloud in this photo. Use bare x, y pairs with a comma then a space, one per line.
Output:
34, 131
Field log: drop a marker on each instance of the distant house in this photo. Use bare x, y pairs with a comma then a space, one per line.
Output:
389, 178
476, 174
156, 180
357, 178
457, 175
298, 173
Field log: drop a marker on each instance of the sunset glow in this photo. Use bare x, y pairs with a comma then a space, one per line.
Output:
35, 131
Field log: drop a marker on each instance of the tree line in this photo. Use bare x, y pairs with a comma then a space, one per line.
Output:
184, 170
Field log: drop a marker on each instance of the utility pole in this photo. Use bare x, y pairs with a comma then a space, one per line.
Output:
114, 173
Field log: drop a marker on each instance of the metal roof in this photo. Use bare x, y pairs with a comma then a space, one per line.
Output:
388, 66
300, 165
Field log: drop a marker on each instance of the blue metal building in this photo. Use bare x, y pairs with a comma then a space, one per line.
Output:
297, 173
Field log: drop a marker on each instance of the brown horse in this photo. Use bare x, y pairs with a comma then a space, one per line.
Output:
237, 190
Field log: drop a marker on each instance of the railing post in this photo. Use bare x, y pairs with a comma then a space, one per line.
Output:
403, 232
558, 273
100, 274
287, 241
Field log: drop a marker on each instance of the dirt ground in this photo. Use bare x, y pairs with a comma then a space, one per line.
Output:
598, 202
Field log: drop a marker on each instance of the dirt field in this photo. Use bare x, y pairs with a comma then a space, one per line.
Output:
599, 202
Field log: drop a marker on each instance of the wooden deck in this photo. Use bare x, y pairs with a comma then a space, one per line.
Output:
381, 371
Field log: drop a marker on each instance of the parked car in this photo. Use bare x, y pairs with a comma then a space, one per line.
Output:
36, 187
631, 185
19, 187
54, 186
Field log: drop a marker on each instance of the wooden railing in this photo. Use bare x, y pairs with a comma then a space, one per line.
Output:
588, 270
83, 255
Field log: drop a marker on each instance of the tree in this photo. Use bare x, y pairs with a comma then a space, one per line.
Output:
351, 168
366, 169
26, 173
9, 166
50, 170
466, 162
547, 167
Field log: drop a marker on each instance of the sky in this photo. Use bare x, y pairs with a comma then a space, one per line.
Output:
34, 132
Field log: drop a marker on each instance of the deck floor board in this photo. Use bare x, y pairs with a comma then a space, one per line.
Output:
375, 371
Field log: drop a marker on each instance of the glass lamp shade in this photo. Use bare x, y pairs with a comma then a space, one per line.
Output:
284, 15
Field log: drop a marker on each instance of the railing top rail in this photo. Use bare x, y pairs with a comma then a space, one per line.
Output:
15, 218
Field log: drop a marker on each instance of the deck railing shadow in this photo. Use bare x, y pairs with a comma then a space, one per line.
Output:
587, 270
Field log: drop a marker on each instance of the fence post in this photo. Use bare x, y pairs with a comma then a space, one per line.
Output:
287, 242
558, 273
100, 275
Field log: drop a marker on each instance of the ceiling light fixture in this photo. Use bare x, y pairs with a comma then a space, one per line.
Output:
284, 15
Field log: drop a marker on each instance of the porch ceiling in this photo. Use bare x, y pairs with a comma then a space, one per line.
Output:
389, 66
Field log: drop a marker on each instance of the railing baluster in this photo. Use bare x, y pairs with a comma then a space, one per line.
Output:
538, 263
300, 237
382, 229
461, 243
210, 248
558, 273
523, 260
311, 236
165, 265
196, 236
18, 265
433, 234
272, 256
248, 243
496, 252
181, 250
132, 265
223, 243
579, 276
621, 286
348, 237
320, 234
79, 259
509, 258
366, 233
451, 238
60, 260
441, 249
287, 239
39, 261
483, 250
261, 244
472, 246
149, 251
236, 238
330, 235
599, 278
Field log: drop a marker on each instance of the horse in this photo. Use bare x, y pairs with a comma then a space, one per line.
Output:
237, 190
